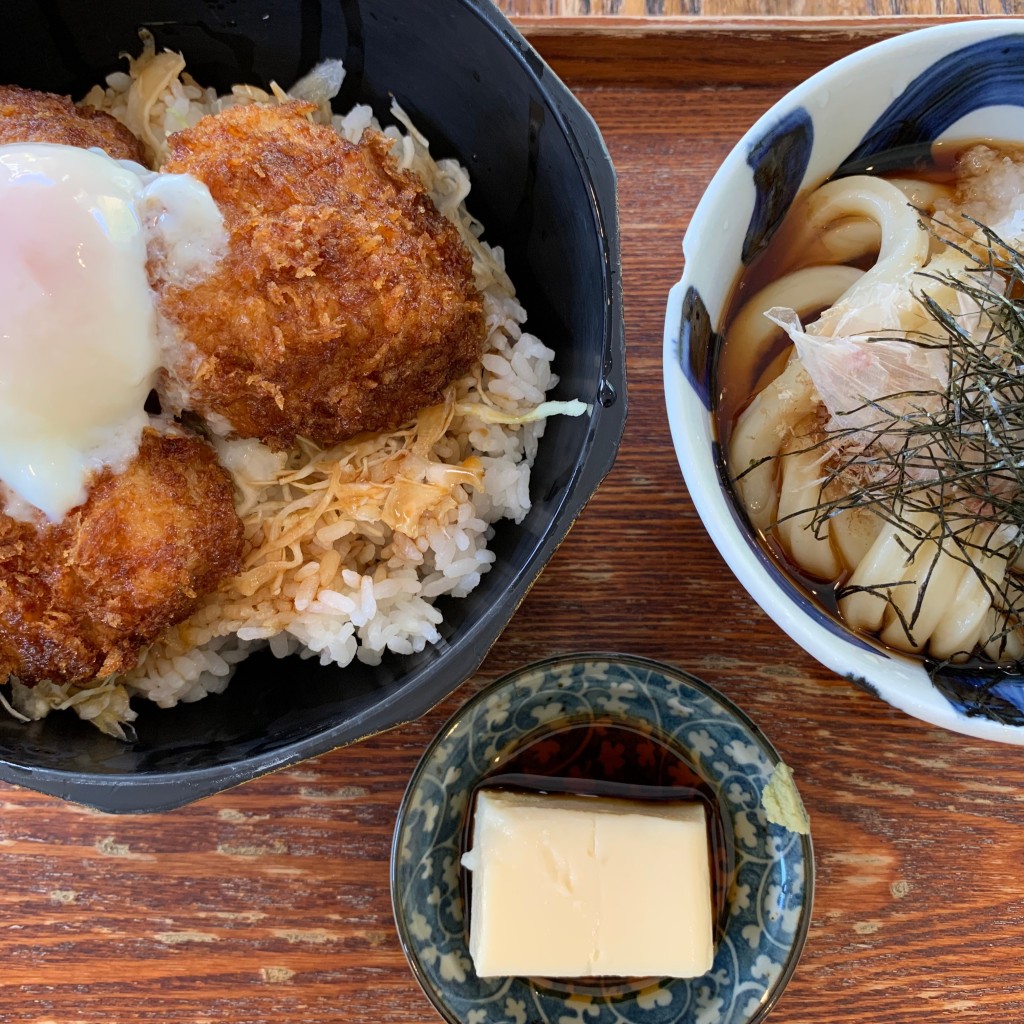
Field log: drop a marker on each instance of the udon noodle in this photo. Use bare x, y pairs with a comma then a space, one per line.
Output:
873, 403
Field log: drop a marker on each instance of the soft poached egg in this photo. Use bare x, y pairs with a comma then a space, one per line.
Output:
80, 336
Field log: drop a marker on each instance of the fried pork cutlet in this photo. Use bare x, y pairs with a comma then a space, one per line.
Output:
80, 599
30, 116
345, 302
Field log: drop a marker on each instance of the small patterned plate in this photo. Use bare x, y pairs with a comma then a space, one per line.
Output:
766, 904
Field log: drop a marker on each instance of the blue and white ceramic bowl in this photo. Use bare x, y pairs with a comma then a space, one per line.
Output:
767, 904
962, 81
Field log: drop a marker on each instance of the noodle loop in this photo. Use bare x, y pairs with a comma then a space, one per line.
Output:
886, 456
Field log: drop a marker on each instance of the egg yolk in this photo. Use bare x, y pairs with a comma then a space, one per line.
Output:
79, 332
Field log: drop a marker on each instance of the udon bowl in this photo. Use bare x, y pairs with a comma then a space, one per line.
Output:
543, 186
955, 82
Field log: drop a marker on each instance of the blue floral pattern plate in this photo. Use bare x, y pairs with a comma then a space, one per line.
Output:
767, 902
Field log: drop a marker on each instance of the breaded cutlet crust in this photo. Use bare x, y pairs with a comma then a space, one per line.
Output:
80, 599
30, 116
346, 301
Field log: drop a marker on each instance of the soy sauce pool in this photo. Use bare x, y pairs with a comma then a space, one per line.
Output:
615, 761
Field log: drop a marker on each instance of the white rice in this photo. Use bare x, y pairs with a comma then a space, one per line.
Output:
355, 587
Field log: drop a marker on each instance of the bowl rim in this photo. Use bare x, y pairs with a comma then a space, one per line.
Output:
131, 792
664, 670
884, 673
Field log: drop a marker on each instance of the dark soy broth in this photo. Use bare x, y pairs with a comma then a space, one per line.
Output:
611, 760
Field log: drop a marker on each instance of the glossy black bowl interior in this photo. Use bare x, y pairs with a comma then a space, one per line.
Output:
544, 187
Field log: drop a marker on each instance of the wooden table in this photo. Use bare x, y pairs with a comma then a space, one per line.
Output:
271, 903
681, 9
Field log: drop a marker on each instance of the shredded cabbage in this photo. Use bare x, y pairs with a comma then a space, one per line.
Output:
489, 414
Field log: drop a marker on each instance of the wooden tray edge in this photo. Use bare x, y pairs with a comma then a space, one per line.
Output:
593, 51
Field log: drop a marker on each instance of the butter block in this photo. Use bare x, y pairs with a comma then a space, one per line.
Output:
577, 886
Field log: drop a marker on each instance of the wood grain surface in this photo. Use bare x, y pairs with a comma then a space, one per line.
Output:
659, 9
270, 903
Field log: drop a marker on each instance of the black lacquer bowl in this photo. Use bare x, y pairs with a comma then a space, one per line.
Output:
544, 187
